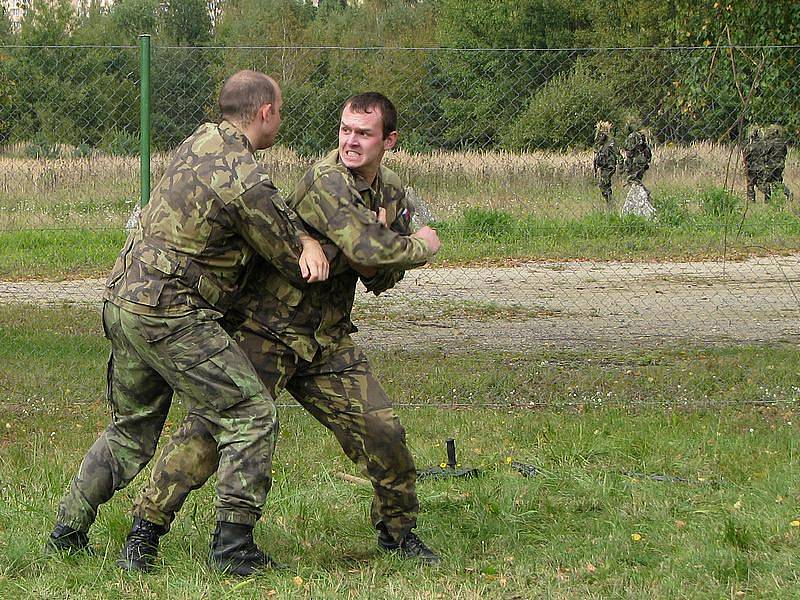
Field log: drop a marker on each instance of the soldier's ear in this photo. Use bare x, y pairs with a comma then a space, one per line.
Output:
390, 141
265, 112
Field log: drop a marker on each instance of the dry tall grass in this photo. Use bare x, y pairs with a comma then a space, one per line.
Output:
98, 191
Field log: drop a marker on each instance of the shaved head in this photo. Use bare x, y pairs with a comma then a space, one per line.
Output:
244, 93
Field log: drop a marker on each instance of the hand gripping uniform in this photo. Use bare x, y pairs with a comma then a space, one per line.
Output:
213, 209
299, 339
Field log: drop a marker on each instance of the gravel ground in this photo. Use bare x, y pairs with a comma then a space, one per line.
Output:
561, 304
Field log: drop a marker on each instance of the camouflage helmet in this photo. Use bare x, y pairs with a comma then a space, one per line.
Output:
603, 128
774, 132
631, 123
754, 132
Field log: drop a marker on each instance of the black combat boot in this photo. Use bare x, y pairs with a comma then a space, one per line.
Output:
66, 539
141, 547
233, 550
409, 547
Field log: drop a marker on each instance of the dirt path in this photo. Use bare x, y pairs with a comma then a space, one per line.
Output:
563, 304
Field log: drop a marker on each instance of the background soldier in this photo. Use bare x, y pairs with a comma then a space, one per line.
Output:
637, 156
176, 275
775, 150
606, 158
299, 339
754, 157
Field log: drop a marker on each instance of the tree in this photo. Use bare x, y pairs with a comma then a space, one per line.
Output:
482, 91
723, 88
6, 34
131, 18
187, 22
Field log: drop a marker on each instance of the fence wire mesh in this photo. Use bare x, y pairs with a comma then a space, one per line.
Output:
498, 144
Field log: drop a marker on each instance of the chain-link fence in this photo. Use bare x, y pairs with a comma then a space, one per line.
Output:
497, 143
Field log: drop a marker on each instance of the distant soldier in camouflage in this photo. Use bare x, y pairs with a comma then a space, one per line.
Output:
213, 210
637, 157
606, 158
299, 339
754, 157
775, 160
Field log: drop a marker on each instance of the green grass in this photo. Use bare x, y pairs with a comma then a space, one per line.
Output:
710, 225
677, 233
724, 419
58, 253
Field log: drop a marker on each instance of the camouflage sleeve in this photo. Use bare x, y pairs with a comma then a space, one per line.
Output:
387, 277
264, 220
615, 155
333, 207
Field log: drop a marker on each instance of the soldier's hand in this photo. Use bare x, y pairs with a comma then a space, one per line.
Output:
382, 216
431, 238
313, 263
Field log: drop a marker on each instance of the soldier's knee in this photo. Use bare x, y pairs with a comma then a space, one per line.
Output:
258, 408
386, 426
264, 411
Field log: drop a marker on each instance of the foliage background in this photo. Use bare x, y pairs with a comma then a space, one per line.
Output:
448, 100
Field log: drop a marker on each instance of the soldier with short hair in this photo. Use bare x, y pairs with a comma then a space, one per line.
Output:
606, 158
299, 339
214, 209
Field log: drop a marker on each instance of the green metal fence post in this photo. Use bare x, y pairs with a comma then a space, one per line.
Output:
144, 115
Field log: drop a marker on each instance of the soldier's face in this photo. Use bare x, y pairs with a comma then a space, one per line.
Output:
361, 141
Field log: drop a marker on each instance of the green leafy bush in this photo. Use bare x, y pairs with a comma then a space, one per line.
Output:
719, 203
41, 147
672, 210
490, 223
118, 142
82, 151
564, 112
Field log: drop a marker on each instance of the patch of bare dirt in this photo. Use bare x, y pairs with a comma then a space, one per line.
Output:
561, 304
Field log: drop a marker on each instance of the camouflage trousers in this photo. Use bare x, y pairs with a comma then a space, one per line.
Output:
767, 185
756, 181
340, 391
193, 355
604, 182
635, 173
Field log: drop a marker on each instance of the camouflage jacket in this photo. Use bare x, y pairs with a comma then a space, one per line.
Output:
214, 208
637, 152
754, 156
338, 208
606, 155
775, 155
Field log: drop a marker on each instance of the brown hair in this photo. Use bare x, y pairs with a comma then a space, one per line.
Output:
243, 93
368, 103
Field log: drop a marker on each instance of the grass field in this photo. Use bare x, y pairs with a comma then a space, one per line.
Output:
62, 218
720, 424
97, 191
666, 472
480, 236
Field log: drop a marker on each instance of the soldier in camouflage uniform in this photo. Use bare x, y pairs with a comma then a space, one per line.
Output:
213, 210
606, 158
637, 157
299, 339
775, 160
754, 154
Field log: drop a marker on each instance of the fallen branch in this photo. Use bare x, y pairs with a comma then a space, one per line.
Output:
352, 479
